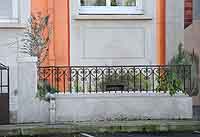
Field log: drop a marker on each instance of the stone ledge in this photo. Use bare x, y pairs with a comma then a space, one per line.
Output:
12, 26
27, 59
111, 17
118, 94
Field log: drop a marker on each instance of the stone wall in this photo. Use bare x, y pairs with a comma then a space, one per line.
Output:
126, 106
30, 109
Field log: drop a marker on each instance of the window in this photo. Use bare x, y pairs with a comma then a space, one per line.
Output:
8, 11
110, 7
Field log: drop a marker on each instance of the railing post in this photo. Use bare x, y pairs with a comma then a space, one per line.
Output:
96, 83
190, 70
70, 79
83, 80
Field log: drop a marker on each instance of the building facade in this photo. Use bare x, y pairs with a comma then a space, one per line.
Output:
101, 32
113, 32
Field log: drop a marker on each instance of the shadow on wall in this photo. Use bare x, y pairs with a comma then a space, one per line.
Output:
192, 44
191, 39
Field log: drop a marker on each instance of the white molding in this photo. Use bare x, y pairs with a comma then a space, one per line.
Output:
27, 59
112, 17
116, 94
8, 20
6, 25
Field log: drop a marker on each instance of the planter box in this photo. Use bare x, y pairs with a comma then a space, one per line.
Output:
118, 106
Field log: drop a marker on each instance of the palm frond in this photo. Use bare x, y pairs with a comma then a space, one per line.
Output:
34, 40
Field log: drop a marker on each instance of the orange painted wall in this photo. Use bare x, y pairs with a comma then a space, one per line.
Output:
61, 32
59, 13
39, 6
161, 32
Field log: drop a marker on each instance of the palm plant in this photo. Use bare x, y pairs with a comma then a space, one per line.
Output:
37, 37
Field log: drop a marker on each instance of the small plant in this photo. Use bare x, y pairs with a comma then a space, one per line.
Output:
173, 80
77, 87
100, 3
113, 3
169, 83
138, 82
130, 2
44, 88
182, 57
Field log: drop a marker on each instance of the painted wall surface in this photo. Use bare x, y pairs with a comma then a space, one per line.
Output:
59, 46
10, 35
39, 6
61, 32
174, 26
112, 40
192, 33
192, 40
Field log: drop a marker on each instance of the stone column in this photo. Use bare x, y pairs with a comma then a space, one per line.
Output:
30, 109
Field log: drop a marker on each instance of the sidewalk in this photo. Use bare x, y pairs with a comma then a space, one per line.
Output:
100, 127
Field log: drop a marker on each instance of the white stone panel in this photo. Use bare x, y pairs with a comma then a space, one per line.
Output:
92, 107
113, 42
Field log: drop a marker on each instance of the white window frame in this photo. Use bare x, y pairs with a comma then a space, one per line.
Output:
138, 9
15, 14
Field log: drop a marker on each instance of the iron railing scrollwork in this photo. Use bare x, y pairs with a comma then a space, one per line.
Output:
94, 79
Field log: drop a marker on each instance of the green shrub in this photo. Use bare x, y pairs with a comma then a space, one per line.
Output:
174, 80
169, 83
138, 82
43, 88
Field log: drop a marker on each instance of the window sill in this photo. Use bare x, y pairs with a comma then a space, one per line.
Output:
12, 26
111, 17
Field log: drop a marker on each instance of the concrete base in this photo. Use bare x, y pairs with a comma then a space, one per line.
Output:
97, 107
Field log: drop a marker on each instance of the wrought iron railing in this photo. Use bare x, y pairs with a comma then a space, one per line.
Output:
154, 78
4, 79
